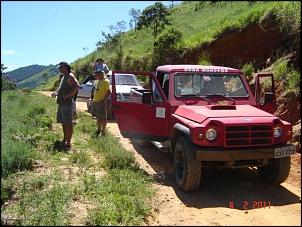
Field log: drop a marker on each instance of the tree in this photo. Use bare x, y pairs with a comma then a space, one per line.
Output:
85, 49
8, 82
113, 42
166, 45
135, 14
155, 17
3, 68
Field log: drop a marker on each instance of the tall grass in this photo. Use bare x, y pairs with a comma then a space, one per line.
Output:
284, 71
50, 184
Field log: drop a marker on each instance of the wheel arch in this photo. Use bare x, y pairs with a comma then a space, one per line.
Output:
178, 131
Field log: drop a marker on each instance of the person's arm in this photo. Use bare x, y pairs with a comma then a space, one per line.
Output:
75, 83
106, 97
92, 92
106, 69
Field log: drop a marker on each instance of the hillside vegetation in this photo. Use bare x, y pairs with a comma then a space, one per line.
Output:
33, 76
201, 24
234, 34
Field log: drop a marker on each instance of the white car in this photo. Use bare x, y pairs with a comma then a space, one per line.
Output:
124, 83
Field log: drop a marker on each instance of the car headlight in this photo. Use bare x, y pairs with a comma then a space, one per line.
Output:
277, 132
211, 134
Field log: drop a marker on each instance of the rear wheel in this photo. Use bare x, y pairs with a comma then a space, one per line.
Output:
276, 172
187, 168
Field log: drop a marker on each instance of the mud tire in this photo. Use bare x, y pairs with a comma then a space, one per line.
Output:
276, 172
187, 169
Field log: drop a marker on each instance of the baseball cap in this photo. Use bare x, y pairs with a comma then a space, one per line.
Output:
99, 71
62, 63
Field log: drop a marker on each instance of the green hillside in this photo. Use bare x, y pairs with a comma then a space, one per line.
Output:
23, 73
39, 78
198, 25
33, 76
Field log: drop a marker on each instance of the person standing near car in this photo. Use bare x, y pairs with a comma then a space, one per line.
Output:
99, 64
69, 86
99, 105
74, 105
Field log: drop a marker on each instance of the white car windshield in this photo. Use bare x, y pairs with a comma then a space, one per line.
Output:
124, 79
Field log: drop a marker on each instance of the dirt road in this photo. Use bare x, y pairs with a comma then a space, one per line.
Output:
233, 197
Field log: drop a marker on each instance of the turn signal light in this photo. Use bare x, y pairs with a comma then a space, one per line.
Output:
288, 133
199, 136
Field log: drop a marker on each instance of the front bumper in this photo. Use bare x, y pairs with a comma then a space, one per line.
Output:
238, 154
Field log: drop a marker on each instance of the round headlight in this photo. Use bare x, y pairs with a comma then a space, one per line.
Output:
211, 134
277, 132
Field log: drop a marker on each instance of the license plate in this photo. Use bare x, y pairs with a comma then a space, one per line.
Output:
284, 151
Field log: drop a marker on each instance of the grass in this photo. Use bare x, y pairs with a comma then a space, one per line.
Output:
43, 185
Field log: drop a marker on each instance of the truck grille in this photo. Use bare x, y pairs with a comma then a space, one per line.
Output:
251, 135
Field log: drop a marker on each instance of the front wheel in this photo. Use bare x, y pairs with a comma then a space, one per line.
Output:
276, 172
187, 168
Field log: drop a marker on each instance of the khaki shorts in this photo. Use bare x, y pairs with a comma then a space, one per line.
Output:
99, 111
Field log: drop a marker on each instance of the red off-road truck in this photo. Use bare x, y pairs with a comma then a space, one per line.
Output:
208, 116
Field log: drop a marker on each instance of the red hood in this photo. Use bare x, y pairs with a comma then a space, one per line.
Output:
201, 113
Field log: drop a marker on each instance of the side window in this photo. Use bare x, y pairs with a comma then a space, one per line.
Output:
234, 86
137, 94
265, 84
156, 94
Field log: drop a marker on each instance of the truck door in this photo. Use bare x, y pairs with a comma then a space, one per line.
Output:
265, 92
138, 120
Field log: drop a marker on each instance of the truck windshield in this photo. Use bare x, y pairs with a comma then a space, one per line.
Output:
203, 84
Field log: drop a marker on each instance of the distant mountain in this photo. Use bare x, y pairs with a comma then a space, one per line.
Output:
32, 76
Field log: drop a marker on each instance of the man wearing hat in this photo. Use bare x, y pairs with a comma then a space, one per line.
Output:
99, 106
99, 64
69, 86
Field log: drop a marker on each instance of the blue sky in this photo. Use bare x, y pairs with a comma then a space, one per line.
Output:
47, 32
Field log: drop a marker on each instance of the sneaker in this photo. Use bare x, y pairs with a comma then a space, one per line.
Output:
74, 122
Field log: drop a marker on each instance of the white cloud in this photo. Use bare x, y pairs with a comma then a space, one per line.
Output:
11, 52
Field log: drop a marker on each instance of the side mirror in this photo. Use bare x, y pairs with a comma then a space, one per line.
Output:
269, 97
146, 99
